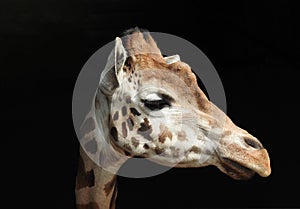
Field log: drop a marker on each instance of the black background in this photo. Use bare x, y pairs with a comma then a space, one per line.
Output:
254, 46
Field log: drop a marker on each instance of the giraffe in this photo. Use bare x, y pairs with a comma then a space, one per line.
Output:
151, 106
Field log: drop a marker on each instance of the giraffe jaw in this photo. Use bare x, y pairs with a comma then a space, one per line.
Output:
235, 170
244, 167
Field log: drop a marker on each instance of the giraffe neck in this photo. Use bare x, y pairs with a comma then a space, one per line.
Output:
98, 164
95, 187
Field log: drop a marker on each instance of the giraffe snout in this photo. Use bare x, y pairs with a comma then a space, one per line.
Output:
243, 155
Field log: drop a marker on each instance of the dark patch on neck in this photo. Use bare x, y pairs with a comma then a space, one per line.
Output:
134, 111
91, 146
145, 130
114, 133
124, 110
130, 123
128, 99
124, 129
109, 186
84, 178
88, 126
90, 205
116, 116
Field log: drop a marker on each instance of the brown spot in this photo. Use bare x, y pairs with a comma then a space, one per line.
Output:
135, 142
146, 146
164, 134
145, 126
116, 116
88, 126
97, 104
91, 146
114, 133
226, 133
127, 153
84, 178
127, 147
181, 135
90, 205
159, 150
124, 110
128, 99
195, 149
109, 185
145, 130
129, 79
130, 123
134, 112
124, 129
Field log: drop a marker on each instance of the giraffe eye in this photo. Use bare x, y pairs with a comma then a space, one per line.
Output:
158, 104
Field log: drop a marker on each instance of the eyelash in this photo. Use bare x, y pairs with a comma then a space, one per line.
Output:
157, 104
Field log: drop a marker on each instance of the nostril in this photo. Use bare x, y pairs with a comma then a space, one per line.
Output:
253, 143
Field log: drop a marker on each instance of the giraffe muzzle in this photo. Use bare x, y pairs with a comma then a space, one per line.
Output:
242, 162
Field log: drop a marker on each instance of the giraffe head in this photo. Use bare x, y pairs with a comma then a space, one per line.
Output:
159, 112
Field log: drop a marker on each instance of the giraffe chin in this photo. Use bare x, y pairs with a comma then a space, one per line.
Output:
236, 170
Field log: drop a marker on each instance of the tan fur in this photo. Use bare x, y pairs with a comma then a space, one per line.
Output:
226, 144
181, 69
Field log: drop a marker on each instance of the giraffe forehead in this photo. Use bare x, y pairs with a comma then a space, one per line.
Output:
178, 76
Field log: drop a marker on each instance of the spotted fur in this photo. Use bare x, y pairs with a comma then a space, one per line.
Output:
185, 128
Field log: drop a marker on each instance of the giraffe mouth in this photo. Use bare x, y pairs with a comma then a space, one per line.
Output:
235, 170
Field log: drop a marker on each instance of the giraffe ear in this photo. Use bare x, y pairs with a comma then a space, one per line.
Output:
172, 59
112, 74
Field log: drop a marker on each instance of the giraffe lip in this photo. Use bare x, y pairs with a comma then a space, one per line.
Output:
235, 170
